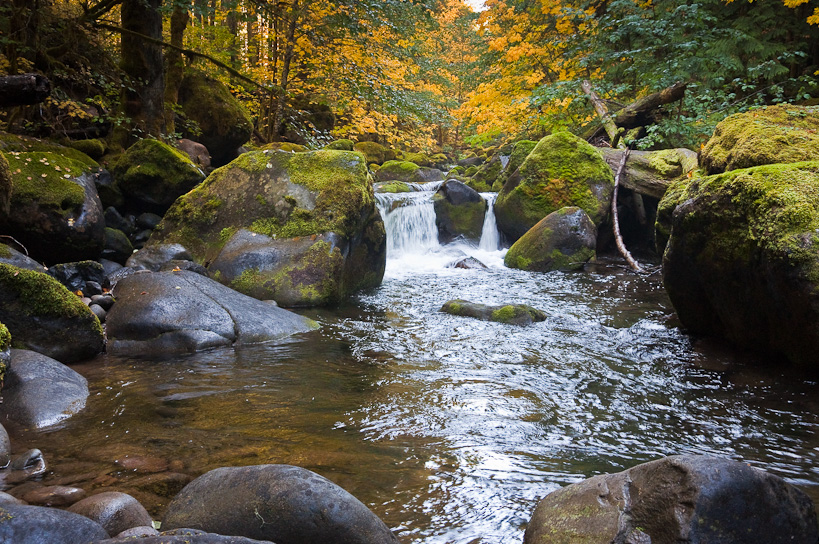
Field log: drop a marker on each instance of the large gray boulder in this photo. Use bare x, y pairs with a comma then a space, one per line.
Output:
563, 240
182, 536
158, 313
459, 212
39, 391
9, 255
686, 498
294, 505
43, 316
39, 524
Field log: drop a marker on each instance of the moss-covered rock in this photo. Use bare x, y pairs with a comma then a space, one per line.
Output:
5, 357
563, 240
416, 158
287, 198
405, 171
5, 185
375, 152
459, 212
93, 148
392, 187
486, 175
742, 262
151, 175
510, 314
45, 317
224, 123
562, 170
341, 145
284, 146
55, 211
24, 144
650, 173
775, 134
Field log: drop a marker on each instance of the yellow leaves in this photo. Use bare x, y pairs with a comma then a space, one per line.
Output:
814, 19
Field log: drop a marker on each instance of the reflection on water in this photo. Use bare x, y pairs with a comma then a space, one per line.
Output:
450, 428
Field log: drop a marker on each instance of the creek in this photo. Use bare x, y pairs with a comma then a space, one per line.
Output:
449, 428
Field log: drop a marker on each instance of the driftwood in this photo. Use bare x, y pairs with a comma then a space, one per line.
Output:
640, 177
23, 90
618, 238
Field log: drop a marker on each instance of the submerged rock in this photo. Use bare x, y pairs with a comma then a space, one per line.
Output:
161, 313
685, 498
44, 316
741, 260
775, 134
512, 314
295, 505
115, 511
24, 523
563, 240
40, 391
459, 212
562, 170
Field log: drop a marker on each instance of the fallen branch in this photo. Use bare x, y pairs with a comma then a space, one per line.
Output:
641, 112
621, 246
605, 119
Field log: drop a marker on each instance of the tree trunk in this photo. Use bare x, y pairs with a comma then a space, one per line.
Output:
143, 63
605, 119
24, 89
278, 116
176, 61
641, 112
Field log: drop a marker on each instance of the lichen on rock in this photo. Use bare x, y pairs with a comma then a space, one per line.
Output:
563, 240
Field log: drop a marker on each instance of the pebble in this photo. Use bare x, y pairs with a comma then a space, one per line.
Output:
54, 495
106, 302
98, 311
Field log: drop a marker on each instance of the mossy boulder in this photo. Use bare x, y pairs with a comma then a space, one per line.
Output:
483, 180
742, 259
5, 185
5, 359
24, 144
683, 498
562, 170
459, 212
650, 173
405, 171
375, 152
771, 135
510, 314
284, 146
341, 145
417, 158
224, 123
151, 175
94, 148
392, 187
45, 317
55, 211
563, 240
9, 255
287, 199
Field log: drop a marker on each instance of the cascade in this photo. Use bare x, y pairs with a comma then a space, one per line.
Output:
409, 219
490, 236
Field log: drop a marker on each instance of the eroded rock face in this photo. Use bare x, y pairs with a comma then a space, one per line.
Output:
683, 498
771, 135
459, 212
158, 313
741, 260
297, 506
317, 208
562, 170
563, 240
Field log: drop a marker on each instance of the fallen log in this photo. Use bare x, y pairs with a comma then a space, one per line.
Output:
641, 112
23, 90
605, 119
649, 173
618, 238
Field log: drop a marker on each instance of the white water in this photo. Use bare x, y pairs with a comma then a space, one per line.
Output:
412, 236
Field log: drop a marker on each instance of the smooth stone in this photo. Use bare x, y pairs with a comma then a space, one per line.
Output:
98, 311
103, 301
75, 276
185, 536
39, 524
5, 447
5, 498
138, 532
140, 463
20, 260
148, 220
152, 258
115, 511
54, 495
469, 263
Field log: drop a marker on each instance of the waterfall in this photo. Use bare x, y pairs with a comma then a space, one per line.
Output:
490, 236
409, 219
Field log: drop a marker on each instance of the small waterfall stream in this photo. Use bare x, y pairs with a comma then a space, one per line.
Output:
490, 235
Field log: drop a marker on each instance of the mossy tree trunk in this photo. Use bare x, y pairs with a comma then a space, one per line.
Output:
176, 61
143, 63
289, 50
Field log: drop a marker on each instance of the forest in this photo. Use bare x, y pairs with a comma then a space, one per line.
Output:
424, 75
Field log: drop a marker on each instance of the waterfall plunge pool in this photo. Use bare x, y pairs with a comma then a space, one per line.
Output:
449, 428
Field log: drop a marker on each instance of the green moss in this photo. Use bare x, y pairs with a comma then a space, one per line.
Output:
341, 145
375, 152
504, 314
392, 187
22, 144
670, 163
471, 171
417, 158
46, 178
5, 251
775, 134
153, 165
398, 171
93, 148
284, 146
5, 338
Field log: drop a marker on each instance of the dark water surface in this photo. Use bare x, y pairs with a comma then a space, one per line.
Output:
449, 428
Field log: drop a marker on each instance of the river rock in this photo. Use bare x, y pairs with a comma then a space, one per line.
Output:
563, 240
684, 498
741, 260
374, 153
40, 391
117, 246
55, 210
318, 206
9, 255
294, 504
151, 175
775, 134
197, 152
469, 263
24, 524
115, 511
5, 498
153, 257
562, 170
224, 123
44, 316
484, 179
459, 212
405, 171
649, 173
175, 312
75, 276
183, 536
512, 314
5, 447
54, 495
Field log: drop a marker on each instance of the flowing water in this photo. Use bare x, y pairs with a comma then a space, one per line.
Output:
449, 428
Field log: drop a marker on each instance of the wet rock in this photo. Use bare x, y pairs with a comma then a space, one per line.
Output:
296, 505
138, 532
471, 161
44, 316
114, 511
152, 258
24, 523
163, 484
140, 463
512, 314
563, 240
5, 498
5, 447
105, 301
186, 536
173, 312
562, 170
98, 311
459, 212
54, 495
148, 220
177, 265
74, 276
10, 256
469, 263
27, 460
117, 246
684, 498
40, 391
197, 152
109, 267
114, 220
